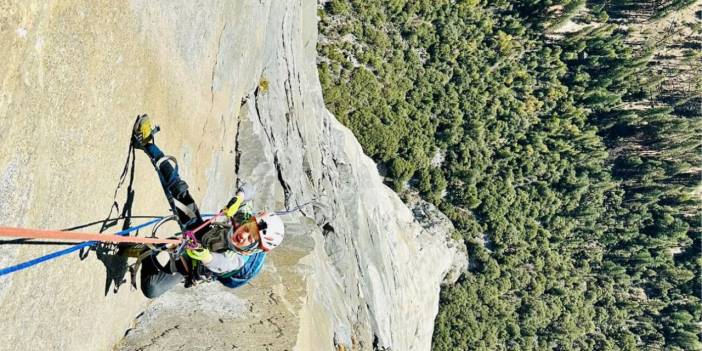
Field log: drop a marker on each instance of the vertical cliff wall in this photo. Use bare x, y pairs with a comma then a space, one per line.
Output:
235, 88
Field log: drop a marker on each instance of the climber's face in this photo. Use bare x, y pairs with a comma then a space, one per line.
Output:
246, 237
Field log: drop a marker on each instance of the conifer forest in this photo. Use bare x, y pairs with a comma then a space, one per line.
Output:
563, 138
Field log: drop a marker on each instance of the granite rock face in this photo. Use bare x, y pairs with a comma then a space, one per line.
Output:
235, 88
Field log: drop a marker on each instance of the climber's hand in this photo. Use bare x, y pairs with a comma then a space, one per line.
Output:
233, 206
247, 191
200, 254
233, 201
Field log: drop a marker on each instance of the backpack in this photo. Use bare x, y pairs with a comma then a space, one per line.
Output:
242, 275
216, 241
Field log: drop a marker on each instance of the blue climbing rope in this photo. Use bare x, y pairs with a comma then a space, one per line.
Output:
36, 261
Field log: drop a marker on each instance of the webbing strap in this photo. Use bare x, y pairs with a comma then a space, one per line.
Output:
184, 208
164, 159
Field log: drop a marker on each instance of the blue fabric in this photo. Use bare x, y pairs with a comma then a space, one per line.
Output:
242, 276
167, 174
153, 151
245, 259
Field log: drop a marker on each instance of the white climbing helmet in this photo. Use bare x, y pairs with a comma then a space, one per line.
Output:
271, 230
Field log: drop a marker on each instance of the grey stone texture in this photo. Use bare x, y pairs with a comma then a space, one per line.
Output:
235, 88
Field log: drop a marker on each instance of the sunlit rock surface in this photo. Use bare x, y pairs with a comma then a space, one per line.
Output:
235, 88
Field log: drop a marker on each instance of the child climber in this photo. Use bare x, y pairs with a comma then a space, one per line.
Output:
231, 253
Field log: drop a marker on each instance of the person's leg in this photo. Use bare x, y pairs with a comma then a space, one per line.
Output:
175, 188
155, 279
169, 176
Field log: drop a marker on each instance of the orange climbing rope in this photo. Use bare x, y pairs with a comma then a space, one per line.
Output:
75, 236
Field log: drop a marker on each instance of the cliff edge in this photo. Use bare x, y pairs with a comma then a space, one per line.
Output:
235, 88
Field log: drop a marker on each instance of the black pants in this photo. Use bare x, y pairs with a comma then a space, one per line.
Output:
176, 189
155, 278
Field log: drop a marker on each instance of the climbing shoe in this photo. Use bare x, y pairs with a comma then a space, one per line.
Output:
143, 133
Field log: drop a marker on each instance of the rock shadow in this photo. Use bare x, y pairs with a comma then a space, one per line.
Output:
116, 266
